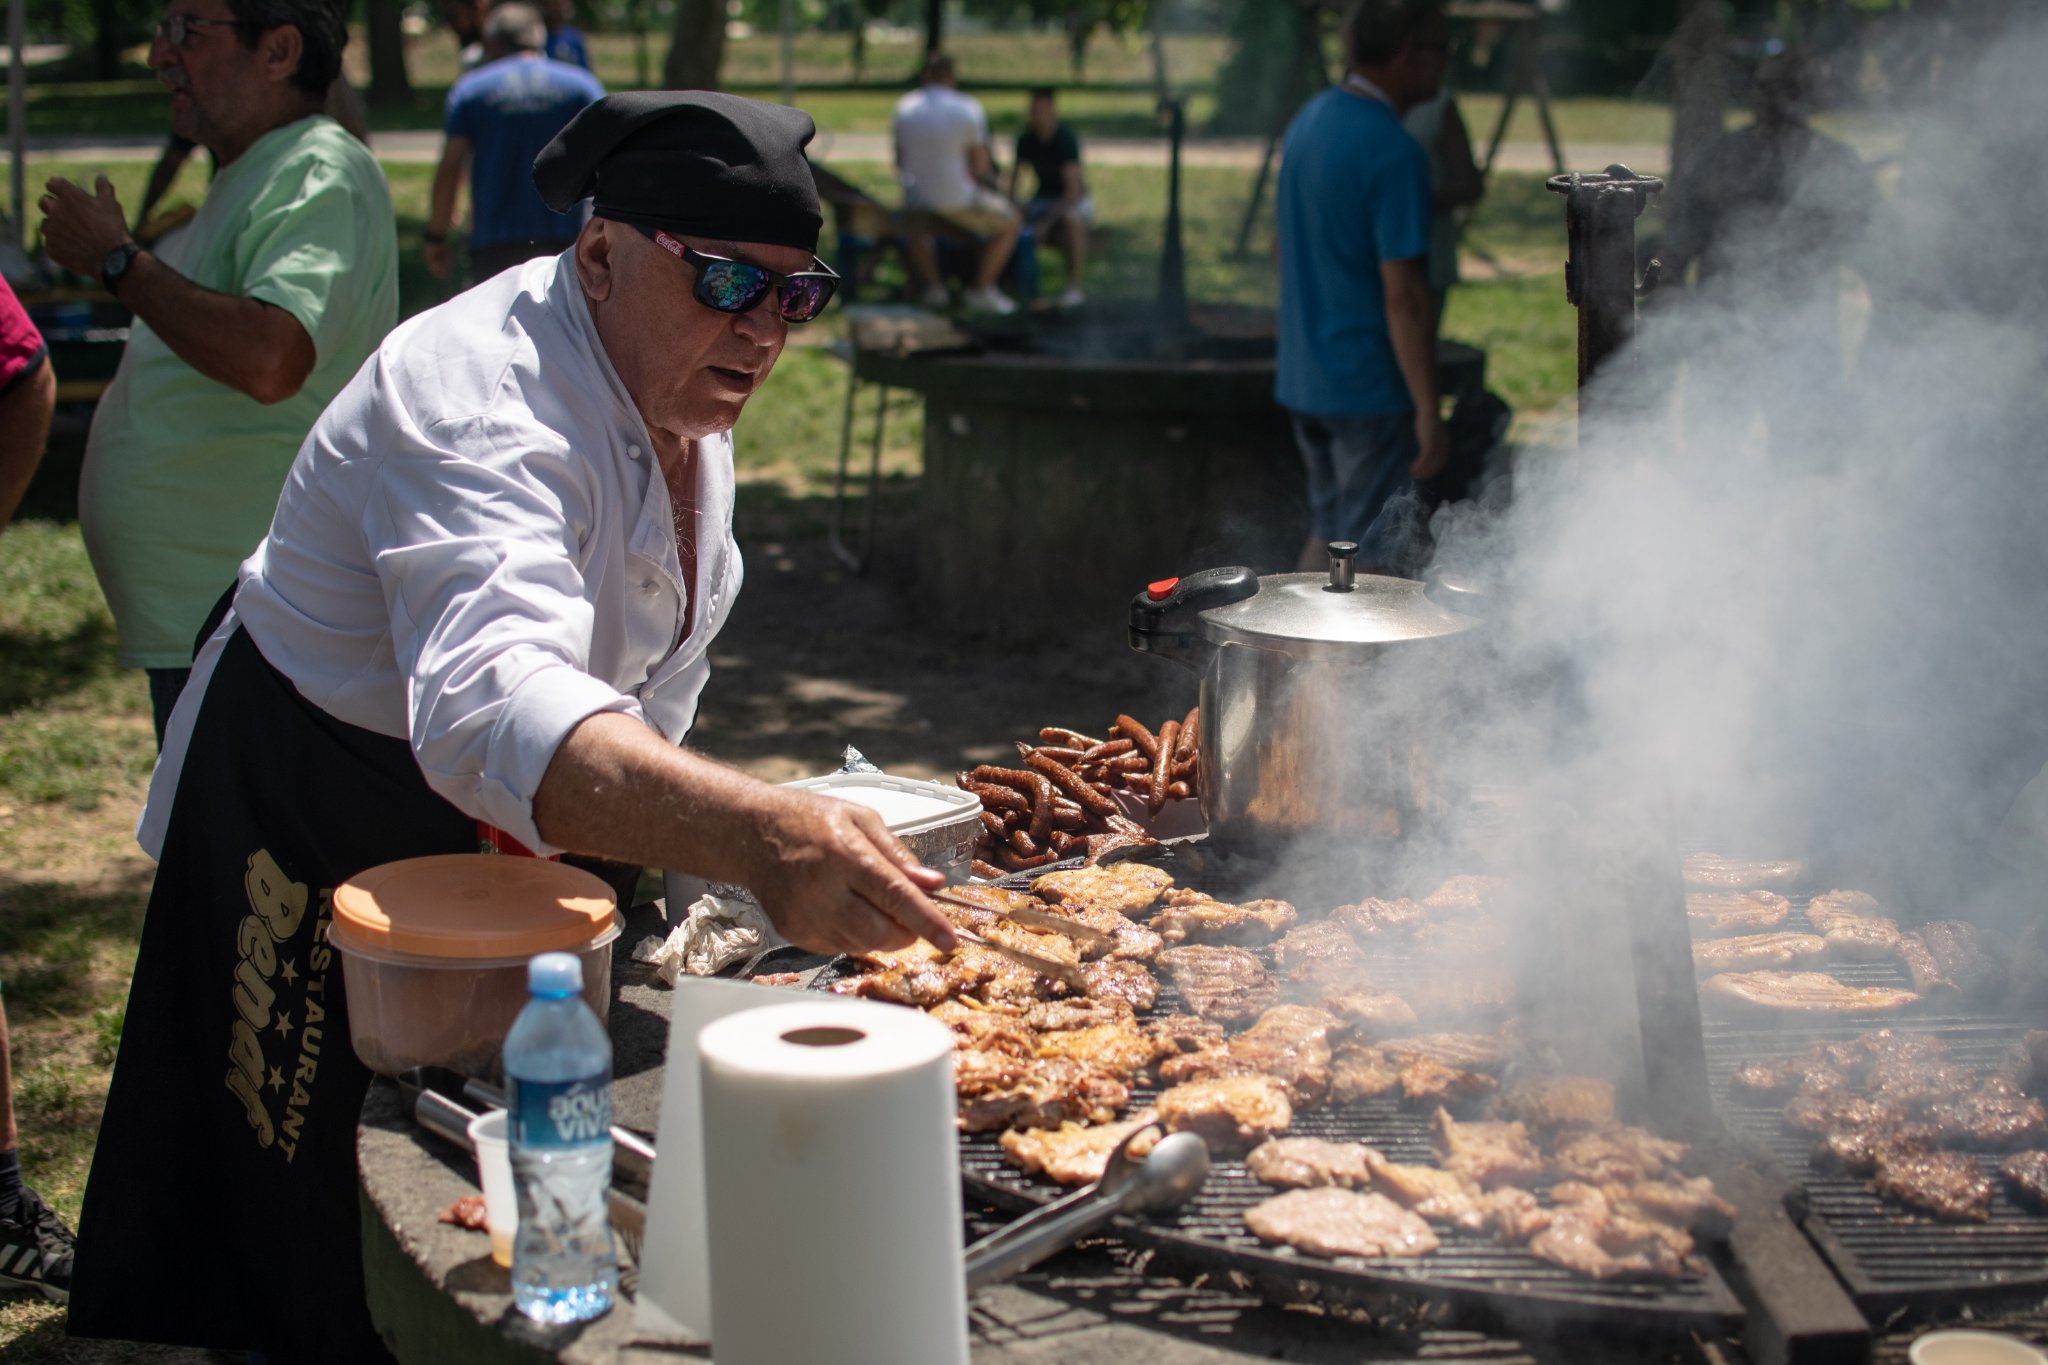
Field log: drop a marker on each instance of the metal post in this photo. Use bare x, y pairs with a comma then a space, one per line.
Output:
789, 51
1600, 274
17, 121
1173, 279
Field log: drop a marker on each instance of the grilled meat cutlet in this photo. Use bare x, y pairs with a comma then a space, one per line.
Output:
1361, 1072
1921, 1085
1745, 951
1426, 1081
1470, 992
1552, 1103
1476, 1051
1742, 874
1230, 1113
914, 983
1121, 982
1177, 1033
1072, 1012
1038, 942
1587, 1235
1127, 888
1290, 1043
1854, 925
1131, 939
1778, 1078
1305, 1163
1801, 993
1688, 1202
1995, 1117
1073, 1153
1615, 1154
1488, 1154
1838, 1112
1468, 893
1371, 1012
1439, 1195
1226, 984
1119, 1050
1735, 912
1860, 1151
1000, 1091
986, 1029
2027, 1175
1382, 921
1950, 957
1333, 1222
1320, 958
1949, 1185
1191, 917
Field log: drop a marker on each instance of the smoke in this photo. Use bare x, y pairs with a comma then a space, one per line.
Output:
1790, 593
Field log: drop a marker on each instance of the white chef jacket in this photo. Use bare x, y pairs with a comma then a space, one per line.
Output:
474, 551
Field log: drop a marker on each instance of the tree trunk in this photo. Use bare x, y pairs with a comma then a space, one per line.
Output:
106, 46
860, 43
1155, 19
697, 48
1699, 52
934, 26
388, 79
1080, 26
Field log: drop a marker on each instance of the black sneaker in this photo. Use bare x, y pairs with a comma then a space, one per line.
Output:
35, 1250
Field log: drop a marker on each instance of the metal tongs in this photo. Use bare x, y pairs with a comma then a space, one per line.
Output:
1012, 908
1167, 1176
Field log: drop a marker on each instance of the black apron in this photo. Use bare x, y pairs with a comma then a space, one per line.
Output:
222, 1207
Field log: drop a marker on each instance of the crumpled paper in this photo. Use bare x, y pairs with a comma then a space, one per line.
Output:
718, 931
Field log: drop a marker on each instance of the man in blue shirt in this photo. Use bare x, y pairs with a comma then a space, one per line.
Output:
565, 40
499, 117
1357, 351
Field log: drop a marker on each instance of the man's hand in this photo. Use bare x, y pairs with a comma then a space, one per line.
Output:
79, 229
833, 879
437, 257
1433, 446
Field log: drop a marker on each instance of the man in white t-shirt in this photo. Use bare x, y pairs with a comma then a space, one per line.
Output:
943, 163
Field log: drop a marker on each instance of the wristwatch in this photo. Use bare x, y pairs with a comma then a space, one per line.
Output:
114, 266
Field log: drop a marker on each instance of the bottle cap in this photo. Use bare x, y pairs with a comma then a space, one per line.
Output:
554, 974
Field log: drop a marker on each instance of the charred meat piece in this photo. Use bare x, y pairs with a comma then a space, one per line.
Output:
1688, 1202
1742, 874
1359, 1072
1916, 1086
1513, 1216
1304, 1163
1615, 1154
1551, 1103
1467, 894
1771, 1078
1119, 1050
1731, 912
1949, 1185
2027, 1174
1072, 1012
1426, 1081
1995, 1117
1839, 1112
1001, 1091
1744, 951
1131, 939
1854, 925
1332, 1222
1373, 1013
1436, 1194
1191, 917
1072, 1154
1588, 1236
1473, 993
1476, 1051
1950, 956
1226, 984
1172, 1034
1860, 1151
1801, 993
1127, 888
1488, 1154
1318, 959
1230, 1113
1121, 982
1381, 921
1290, 1043
985, 1029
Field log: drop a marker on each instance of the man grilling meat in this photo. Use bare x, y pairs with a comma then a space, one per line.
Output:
484, 608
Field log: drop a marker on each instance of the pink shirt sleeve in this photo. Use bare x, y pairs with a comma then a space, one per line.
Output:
21, 345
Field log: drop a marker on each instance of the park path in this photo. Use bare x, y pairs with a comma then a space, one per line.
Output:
424, 147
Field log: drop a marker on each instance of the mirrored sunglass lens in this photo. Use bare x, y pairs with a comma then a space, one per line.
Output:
805, 297
731, 287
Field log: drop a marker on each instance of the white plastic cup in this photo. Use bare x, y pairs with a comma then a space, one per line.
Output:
1965, 1347
494, 1172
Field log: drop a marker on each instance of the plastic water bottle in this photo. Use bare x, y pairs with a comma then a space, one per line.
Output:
558, 1089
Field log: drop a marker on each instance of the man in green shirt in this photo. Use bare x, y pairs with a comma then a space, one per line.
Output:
244, 329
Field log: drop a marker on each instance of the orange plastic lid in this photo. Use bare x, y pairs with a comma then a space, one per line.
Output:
471, 905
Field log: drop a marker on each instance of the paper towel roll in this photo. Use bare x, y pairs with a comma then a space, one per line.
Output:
833, 1175
675, 1265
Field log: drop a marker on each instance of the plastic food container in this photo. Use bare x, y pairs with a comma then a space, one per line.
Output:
434, 952
936, 822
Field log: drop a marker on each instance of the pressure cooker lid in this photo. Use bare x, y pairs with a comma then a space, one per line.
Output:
1332, 609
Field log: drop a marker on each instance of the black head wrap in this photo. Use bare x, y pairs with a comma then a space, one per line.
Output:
696, 162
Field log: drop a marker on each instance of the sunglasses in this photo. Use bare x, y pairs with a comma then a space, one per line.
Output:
178, 29
728, 286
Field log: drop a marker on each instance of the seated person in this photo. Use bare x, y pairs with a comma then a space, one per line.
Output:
943, 162
1060, 211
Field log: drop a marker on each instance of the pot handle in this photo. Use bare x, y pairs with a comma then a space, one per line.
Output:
1166, 616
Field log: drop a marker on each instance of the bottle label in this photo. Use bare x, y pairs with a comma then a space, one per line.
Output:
561, 1113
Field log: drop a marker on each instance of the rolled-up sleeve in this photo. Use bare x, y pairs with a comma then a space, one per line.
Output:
491, 611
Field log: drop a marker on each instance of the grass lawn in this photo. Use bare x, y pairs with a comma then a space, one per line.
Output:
75, 742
